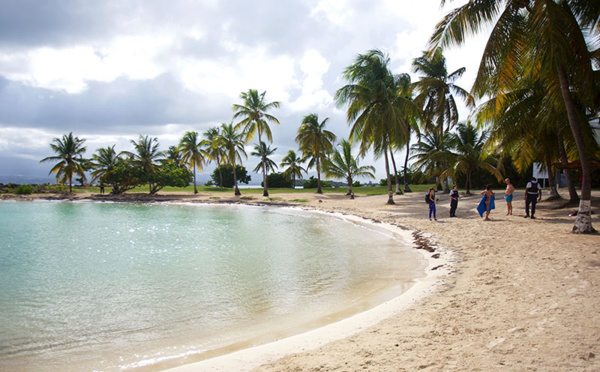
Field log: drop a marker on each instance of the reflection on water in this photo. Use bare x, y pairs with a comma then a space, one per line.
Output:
101, 286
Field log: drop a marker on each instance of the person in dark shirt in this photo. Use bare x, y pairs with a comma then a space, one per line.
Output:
453, 201
533, 194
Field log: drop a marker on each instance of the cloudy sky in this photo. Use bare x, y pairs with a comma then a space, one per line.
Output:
112, 70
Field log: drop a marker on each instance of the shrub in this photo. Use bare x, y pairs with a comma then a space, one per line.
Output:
24, 190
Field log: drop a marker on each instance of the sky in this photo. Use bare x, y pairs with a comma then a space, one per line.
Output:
112, 70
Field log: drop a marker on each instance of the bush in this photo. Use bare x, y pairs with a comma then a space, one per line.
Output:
24, 190
227, 172
312, 183
277, 180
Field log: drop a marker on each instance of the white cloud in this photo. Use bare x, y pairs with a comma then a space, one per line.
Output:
313, 66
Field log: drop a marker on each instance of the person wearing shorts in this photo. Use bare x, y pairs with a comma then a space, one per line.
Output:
508, 196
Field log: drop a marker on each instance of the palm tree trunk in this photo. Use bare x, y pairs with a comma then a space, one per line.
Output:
552, 182
195, 189
573, 197
389, 179
349, 179
319, 191
396, 179
262, 157
237, 190
583, 223
71, 185
406, 187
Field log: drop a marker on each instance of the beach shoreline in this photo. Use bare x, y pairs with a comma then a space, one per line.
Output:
521, 295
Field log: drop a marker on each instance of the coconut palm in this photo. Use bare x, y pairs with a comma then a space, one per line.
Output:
435, 93
68, 149
467, 149
233, 143
214, 148
315, 143
263, 152
378, 108
542, 39
428, 155
342, 164
173, 156
294, 168
255, 120
146, 156
192, 153
103, 163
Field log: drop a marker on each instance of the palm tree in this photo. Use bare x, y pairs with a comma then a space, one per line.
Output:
173, 156
378, 107
192, 153
468, 154
214, 148
294, 168
103, 163
343, 165
543, 39
429, 155
255, 120
435, 95
67, 149
264, 151
315, 142
145, 156
233, 144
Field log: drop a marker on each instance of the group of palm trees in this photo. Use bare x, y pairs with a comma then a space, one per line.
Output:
537, 73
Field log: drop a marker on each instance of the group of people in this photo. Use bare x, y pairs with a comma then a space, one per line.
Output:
533, 194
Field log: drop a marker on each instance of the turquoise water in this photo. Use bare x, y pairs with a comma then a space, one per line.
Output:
103, 286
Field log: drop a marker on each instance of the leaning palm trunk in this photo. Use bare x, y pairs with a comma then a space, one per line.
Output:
396, 179
264, 171
406, 187
552, 182
583, 223
389, 179
195, 188
237, 190
319, 191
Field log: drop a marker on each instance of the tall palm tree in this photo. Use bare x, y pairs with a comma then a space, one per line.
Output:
315, 142
468, 154
435, 95
146, 156
103, 163
342, 164
378, 106
429, 154
256, 120
68, 149
294, 168
542, 38
192, 153
214, 148
263, 152
233, 144
173, 156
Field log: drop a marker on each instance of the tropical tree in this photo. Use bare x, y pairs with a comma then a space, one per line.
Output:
429, 153
103, 163
193, 153
342, 164
379, 106
146, 156
256, 120
69, 152
294, 167
543, 39
233, 144
315, 142
173, 156
263, 152
214, 148
468, 154
435, 95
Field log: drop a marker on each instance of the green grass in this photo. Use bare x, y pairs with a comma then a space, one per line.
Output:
299, 200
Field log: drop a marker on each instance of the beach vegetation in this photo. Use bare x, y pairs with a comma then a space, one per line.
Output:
293, 167
193, 154
104, 162
145, 158
278, 180
212, 142
263, 151
255, 120
552, 42
69, 158
23, 190
314, 183
233, 143
379, 106
225, 173
315, 142
342, 164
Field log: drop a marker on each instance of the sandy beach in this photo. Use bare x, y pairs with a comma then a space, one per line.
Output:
509, 294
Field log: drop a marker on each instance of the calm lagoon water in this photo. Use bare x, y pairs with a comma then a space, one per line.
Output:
105, 286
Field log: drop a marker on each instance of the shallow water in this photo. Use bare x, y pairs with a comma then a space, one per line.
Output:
104, 286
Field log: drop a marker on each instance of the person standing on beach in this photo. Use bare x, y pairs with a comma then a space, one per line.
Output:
533, 194
453, 201
487, 203
432, 204
508, 195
